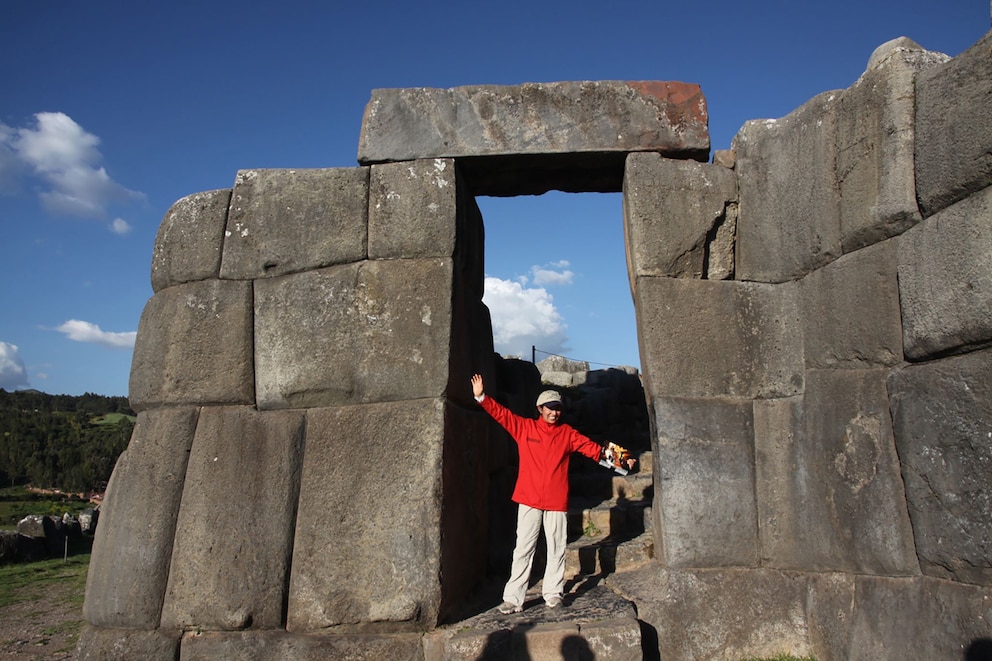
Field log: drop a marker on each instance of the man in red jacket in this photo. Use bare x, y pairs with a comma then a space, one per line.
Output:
541, 492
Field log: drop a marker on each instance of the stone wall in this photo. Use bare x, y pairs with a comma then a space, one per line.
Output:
310, 478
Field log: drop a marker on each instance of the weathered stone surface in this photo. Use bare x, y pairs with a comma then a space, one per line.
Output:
945, 279
721, 261
131, 552
194, 346
702, 338
954, 128
537, 136
101, 644
829, 613
851, 310
381, 463
671, 211
725, 158
464, 503
412, 209
189, 240
366, 332
851, 503
875, 138
781, 469
283, 646
789, 220
719, 615
236, 521
921, 618
942, 418
285, 221
701, 443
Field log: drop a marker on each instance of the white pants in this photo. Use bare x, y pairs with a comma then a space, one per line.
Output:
529, 523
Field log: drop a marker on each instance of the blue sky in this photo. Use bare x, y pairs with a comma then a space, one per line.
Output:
111, 111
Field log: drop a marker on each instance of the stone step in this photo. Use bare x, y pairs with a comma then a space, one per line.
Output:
612, 487
620, 519
606, 555
593, 623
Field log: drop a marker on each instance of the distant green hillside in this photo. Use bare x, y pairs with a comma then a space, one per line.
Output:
61, 441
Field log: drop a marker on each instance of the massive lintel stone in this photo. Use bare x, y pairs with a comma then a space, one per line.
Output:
531, 138
942, 419
954, 128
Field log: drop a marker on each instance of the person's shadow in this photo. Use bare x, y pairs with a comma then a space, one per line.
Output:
980, 649
576, 648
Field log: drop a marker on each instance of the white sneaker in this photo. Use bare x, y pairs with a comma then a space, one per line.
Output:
553, 602
506, 608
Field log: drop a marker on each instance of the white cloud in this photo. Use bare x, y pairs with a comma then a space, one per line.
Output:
554, 274
65, 157
84, 331
522, 318
13, 375
120, 226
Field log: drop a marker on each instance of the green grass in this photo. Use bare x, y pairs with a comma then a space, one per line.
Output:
47, 586
27, 581
111, 418
17, 503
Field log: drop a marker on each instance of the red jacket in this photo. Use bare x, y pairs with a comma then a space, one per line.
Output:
544, 453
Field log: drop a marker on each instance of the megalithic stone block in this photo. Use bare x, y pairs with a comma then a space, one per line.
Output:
286, 221
954, 128
189, 240
702, 442
412, 209
671, 211
368, 532
195, 345
942, 419
945, 279
851, 310
366, 332
789, 219
706, 338
875, 138
537, 136
236, 521
132, 550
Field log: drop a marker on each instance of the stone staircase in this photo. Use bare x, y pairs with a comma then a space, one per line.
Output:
609, 520
609, 530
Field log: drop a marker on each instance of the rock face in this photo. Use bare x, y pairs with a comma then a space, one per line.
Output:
310, 477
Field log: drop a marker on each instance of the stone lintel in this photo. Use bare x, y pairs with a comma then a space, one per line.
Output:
537, 136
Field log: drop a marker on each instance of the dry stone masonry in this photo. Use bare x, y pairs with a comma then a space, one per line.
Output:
310, 478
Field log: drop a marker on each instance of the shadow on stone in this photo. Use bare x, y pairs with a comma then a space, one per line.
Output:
980, 649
